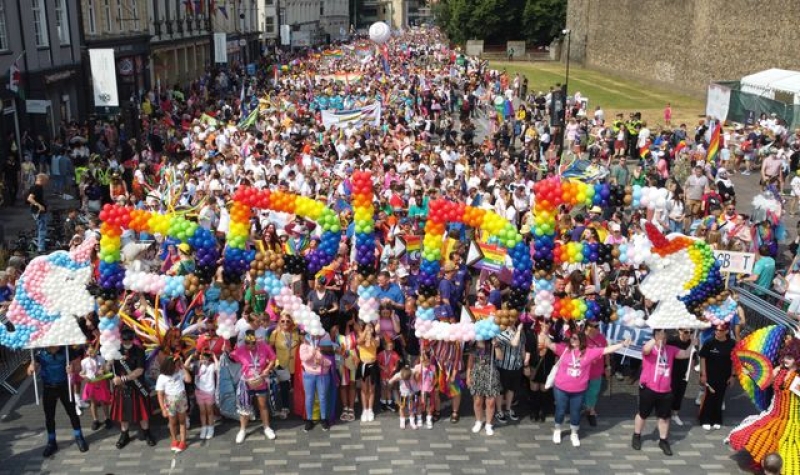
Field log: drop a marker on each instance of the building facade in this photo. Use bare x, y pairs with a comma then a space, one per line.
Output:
396, 13
43, 38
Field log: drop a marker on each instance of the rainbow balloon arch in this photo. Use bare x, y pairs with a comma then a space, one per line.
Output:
239, 257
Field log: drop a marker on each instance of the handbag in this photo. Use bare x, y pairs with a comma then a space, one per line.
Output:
551, 376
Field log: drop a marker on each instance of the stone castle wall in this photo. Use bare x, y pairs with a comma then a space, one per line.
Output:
685, 44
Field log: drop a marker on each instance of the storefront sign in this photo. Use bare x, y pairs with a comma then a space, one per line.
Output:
37, 106
220, 48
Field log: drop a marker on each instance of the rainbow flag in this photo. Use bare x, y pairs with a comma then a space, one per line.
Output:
490, 257
481, 313
644, 150
713, 145
681, 145
333, 53
413, 248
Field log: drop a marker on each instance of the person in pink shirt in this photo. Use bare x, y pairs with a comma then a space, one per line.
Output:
655, 388
316, 379
572, 379
601, 366
257, 360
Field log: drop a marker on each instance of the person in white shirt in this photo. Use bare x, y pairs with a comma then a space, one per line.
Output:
795, 185
205, 371
171, 390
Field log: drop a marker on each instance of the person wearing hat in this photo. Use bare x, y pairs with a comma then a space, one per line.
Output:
447, 287
185, 264
716, 374
131, 400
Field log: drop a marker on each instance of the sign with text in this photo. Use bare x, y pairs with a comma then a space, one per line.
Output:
37, 106
735, 262
616, 332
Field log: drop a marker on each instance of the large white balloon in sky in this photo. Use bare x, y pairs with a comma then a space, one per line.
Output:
380, 32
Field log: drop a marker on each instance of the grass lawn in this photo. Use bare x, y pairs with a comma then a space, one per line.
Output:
613, 94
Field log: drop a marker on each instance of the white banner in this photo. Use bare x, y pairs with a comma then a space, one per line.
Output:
220, 48
104, 77
735, 262
616, 332
717, 101
370, 115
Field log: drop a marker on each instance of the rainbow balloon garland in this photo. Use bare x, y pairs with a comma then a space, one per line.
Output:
753, 359
364, 215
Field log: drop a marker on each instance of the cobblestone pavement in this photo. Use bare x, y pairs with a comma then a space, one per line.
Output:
379, 447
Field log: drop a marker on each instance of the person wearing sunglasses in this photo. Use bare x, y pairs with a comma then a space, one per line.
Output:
286, 340
655, 388
257, 360
683, 340
572, 379
716, 375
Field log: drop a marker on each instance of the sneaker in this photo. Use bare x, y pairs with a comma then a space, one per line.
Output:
706, 426
384, 407
325, 426
664, 446
429, 423
50, 449
78, 409
501, 417
677, 420
489, 429
345, 415
309, 425
576, 441
181, 446
636, 442
412, 424
556, 436
240, 436
96, 425
746, 173
402, 422
391, 406
477, 427
364, 415
269, 433
173, 446
512, 415
592, 419
419, 421
717, 426
210, 433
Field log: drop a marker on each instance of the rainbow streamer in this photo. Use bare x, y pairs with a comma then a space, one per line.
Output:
758, 353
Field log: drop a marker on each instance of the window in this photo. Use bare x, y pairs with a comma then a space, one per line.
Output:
269, 3
40, 23
92, 16
119, 18
3, 36
270, 26
322, 9
107, 15
135, 14
62, 22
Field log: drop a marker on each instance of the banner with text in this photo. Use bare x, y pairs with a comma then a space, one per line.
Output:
616, 332
104, 77
735, 262
367, 115
220, 48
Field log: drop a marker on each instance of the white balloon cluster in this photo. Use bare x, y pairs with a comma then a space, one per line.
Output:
226, 318
300, 312
66, 295
653, 198
665, 282
380, 32
631, 317
368, 304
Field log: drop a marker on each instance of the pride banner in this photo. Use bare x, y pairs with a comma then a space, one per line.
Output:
484, 256
368, 115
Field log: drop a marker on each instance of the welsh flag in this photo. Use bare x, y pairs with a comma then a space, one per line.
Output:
15, 79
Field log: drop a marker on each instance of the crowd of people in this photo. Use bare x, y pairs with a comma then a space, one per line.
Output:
449, 127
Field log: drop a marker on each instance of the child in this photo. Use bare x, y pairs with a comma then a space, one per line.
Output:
426, 372
368, 370
172, 399
409, 396
206, 370
96, 388
388, 359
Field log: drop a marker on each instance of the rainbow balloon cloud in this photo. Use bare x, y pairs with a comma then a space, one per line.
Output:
50, 296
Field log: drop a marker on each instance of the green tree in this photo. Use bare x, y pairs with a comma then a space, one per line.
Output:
542, 20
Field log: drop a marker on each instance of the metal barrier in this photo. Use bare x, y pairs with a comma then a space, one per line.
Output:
763, 307
10, 360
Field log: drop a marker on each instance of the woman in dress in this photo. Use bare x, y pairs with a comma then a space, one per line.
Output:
483, 381
540, 362
778, 428
257, 360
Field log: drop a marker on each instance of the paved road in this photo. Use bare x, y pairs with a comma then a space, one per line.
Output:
379, 447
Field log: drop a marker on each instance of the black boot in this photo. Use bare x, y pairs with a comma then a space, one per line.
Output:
149, 437
124, 439
81, 443
536, 405
50, 449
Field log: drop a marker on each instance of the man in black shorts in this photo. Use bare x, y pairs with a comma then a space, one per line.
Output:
655, 388
509, 358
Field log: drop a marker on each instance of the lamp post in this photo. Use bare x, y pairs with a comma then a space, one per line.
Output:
568, 33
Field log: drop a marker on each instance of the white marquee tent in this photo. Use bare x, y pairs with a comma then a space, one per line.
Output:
770, 83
